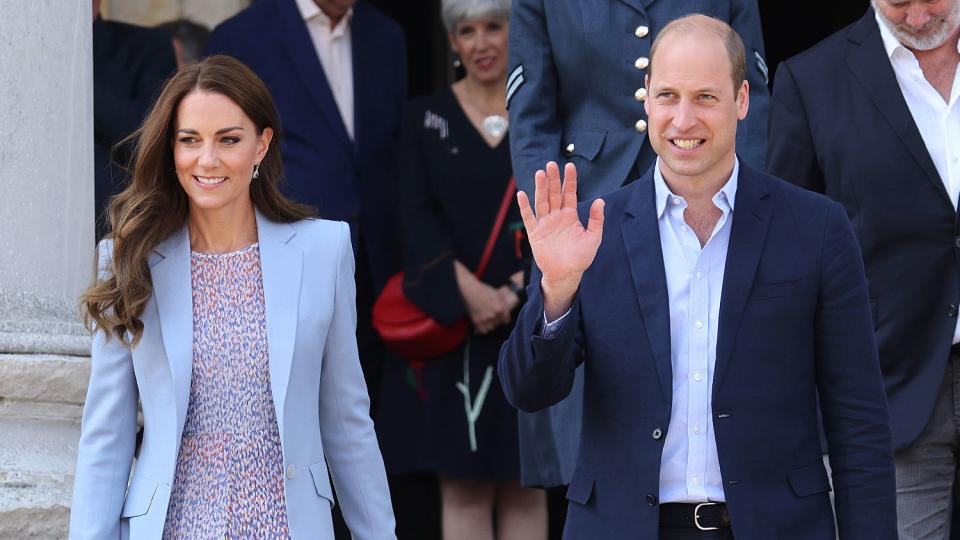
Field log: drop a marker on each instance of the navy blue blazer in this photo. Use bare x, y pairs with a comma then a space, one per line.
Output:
794, 321
840, 126
572, 93
345, 180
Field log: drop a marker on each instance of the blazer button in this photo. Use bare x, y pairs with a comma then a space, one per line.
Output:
641, 31
651, 499
956, 241
641, 125
657, 434
952, 311
291, 471
569, 148
642, 62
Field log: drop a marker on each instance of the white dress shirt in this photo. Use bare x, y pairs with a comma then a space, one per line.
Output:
336, 55
937, 120
689, 468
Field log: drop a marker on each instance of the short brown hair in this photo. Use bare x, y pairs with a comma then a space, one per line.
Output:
703, 24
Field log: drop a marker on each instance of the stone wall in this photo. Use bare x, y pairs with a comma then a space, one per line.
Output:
46, 257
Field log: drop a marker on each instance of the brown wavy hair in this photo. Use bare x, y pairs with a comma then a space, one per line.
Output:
153, 205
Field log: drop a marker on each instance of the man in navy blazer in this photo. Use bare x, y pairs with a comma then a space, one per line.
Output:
575, 93
718, 305
865, 117
346, 178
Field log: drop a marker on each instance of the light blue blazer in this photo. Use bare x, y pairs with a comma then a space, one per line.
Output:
321, 401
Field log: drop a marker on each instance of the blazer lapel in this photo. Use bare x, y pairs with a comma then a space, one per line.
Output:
641, 238
751, 218
281, 265
867, 59
364, 57
170, 273
296, 39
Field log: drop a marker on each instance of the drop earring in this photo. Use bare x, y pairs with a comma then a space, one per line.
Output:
256, 170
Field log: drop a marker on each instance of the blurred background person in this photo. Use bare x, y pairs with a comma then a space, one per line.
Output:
229, 316
870, 117
188, 38
454, 170
130, 64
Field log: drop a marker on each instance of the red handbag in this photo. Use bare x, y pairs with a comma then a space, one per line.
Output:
409, 332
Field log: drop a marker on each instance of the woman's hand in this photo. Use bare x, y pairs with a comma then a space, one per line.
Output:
487, 307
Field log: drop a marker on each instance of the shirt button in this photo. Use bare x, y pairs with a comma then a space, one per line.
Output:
676, 200
657, 434
696, 428
696, 480
699, 275
641, 95
641, 31
641, 125
697, 375
291, 471
642, 62
698, 324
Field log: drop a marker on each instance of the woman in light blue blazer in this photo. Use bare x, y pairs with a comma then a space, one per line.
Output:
230, 317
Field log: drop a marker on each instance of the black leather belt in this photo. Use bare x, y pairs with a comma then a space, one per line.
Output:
955, 350
708, 516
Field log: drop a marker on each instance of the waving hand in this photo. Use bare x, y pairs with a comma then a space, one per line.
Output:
562, 247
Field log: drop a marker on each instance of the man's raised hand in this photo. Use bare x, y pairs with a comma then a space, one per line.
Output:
562, 247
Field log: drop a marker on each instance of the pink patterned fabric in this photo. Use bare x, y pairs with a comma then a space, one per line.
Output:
229, 479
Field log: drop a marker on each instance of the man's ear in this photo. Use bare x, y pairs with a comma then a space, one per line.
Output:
646, 102
743, 100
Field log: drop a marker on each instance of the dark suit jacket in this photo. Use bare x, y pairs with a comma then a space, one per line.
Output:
345, 180
839, 125
572, 86
130, 65
794, 320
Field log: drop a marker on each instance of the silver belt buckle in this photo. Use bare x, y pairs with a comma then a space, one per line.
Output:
696, 516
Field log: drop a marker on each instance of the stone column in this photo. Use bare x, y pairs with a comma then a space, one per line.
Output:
46, 256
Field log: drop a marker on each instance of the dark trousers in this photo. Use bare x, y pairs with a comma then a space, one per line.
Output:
695, 534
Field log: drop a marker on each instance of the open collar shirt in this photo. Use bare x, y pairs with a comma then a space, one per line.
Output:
689, 467
335, 51
938, 120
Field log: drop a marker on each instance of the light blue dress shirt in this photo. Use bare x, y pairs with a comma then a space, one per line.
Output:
689, 468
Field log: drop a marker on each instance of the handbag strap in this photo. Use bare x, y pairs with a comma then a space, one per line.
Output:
497, 225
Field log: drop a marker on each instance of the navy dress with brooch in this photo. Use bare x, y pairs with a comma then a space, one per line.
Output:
452, 184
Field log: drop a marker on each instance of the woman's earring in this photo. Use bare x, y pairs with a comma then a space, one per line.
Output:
256, 170
456, 62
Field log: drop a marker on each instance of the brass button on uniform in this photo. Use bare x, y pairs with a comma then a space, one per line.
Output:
570, 148
640, 94
291, 471
641, 31
641, 125
642, 62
